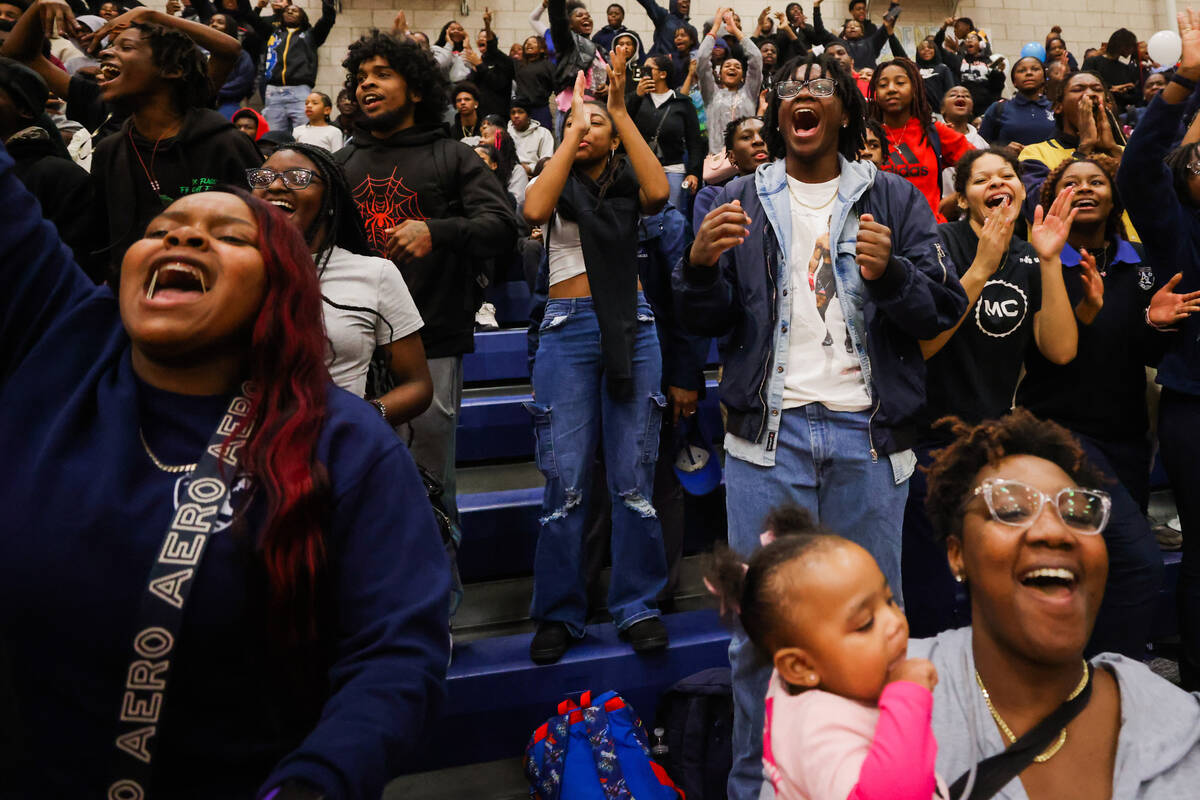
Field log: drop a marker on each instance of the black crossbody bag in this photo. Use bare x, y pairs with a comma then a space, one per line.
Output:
993, 773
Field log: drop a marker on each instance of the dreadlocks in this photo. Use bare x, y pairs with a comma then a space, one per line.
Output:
918, 106
338, 212
851, 137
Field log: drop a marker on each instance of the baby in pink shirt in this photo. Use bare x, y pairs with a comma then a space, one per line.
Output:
847, 713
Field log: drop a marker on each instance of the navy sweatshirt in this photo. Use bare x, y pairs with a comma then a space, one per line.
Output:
1170, 231
86, 512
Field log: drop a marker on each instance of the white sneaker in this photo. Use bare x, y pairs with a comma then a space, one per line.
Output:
485, 318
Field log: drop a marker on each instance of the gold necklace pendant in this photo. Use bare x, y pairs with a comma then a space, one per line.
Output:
1053, 749
174, 469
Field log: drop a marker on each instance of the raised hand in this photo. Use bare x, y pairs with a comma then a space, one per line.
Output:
116, 25
616, 83
57, 19
1093, 289
469, 54
995, 237
580, 119
400, 23
487, 19
1189, 33
874, 247
724, 227
1167, 308
1050, 228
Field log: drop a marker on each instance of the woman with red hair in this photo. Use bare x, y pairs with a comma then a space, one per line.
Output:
210, 552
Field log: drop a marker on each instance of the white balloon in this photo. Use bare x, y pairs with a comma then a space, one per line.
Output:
1165, 47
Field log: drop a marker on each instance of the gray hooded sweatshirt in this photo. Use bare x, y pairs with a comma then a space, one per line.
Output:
1157, 753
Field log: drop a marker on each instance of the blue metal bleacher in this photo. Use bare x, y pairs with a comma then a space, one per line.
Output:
496, 697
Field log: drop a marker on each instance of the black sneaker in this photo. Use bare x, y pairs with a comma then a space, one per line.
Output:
549, 643
647, 635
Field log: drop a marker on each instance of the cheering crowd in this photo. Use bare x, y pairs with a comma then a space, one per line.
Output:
237, 308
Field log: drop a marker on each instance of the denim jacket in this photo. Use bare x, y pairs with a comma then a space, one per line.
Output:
746, 298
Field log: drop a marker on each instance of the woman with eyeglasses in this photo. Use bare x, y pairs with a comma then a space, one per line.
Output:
1161, 190
1019, 511
1016, 299
365, 302
824, 273
250, 593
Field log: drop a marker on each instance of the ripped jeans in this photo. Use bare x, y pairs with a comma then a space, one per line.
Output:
573, 414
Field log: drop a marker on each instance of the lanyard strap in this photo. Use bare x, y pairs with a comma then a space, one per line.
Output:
161, 613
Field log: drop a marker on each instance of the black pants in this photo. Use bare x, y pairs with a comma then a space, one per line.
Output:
1135, 570
1179, 443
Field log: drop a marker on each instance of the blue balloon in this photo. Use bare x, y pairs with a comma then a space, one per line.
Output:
1035, 50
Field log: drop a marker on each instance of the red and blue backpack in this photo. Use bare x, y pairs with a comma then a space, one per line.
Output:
595, 749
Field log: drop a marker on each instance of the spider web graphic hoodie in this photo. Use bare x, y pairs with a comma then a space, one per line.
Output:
421, 174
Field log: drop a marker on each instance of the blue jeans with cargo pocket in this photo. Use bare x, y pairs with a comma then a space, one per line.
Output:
573, 414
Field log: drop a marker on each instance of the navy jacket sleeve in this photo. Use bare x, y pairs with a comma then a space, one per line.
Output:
320, 31
705, 297
658, 15
919, 291
489, 228
1147, 190
39, 280
560, 28
393, 587
989, 127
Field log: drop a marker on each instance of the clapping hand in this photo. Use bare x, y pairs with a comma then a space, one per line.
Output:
1167, 308
1093, 289
1050, 228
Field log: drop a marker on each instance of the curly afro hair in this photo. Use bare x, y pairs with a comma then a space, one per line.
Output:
952, 476
417, 67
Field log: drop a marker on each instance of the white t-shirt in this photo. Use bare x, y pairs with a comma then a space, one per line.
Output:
822, 366
327, 136
661, 97
564, 250
369, 284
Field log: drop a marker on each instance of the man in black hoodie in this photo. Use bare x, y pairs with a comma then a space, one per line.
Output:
431, 206
290, 63
61, 186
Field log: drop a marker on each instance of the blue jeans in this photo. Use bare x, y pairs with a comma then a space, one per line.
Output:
823, 464
573, 413
284, 107
680, 196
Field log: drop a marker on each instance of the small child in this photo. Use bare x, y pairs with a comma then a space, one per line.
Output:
847, 712
318, 131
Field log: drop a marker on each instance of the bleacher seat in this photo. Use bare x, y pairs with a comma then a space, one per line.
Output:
496, 697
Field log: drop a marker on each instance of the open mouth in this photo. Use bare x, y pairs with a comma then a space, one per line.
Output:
998, 199
283, 205
1051, 581
760, 156
109, 72
176, 281
1084, 203
805, 120
370, 101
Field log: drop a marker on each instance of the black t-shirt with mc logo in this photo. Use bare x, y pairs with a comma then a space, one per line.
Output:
974, 376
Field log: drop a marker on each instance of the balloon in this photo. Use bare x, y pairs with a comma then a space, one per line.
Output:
1034, 50
1165, 47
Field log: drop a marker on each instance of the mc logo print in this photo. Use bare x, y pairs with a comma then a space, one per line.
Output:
1001, 308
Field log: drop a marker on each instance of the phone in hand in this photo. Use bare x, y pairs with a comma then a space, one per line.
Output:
892, 14
637, 74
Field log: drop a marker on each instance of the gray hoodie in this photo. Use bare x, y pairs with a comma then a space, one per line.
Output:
1157, 754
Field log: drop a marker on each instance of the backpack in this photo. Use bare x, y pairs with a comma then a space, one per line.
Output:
595, 749
696, 716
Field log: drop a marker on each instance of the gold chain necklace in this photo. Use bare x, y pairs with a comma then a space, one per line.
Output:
173, 469
796, 196
1053, 749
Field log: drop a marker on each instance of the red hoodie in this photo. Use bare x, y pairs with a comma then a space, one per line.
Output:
262, 128
911, 156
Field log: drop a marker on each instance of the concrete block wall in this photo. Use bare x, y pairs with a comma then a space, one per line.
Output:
1009, 23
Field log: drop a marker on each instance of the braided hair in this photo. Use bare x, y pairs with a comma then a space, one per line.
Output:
919, 105
851, 137
339, 214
